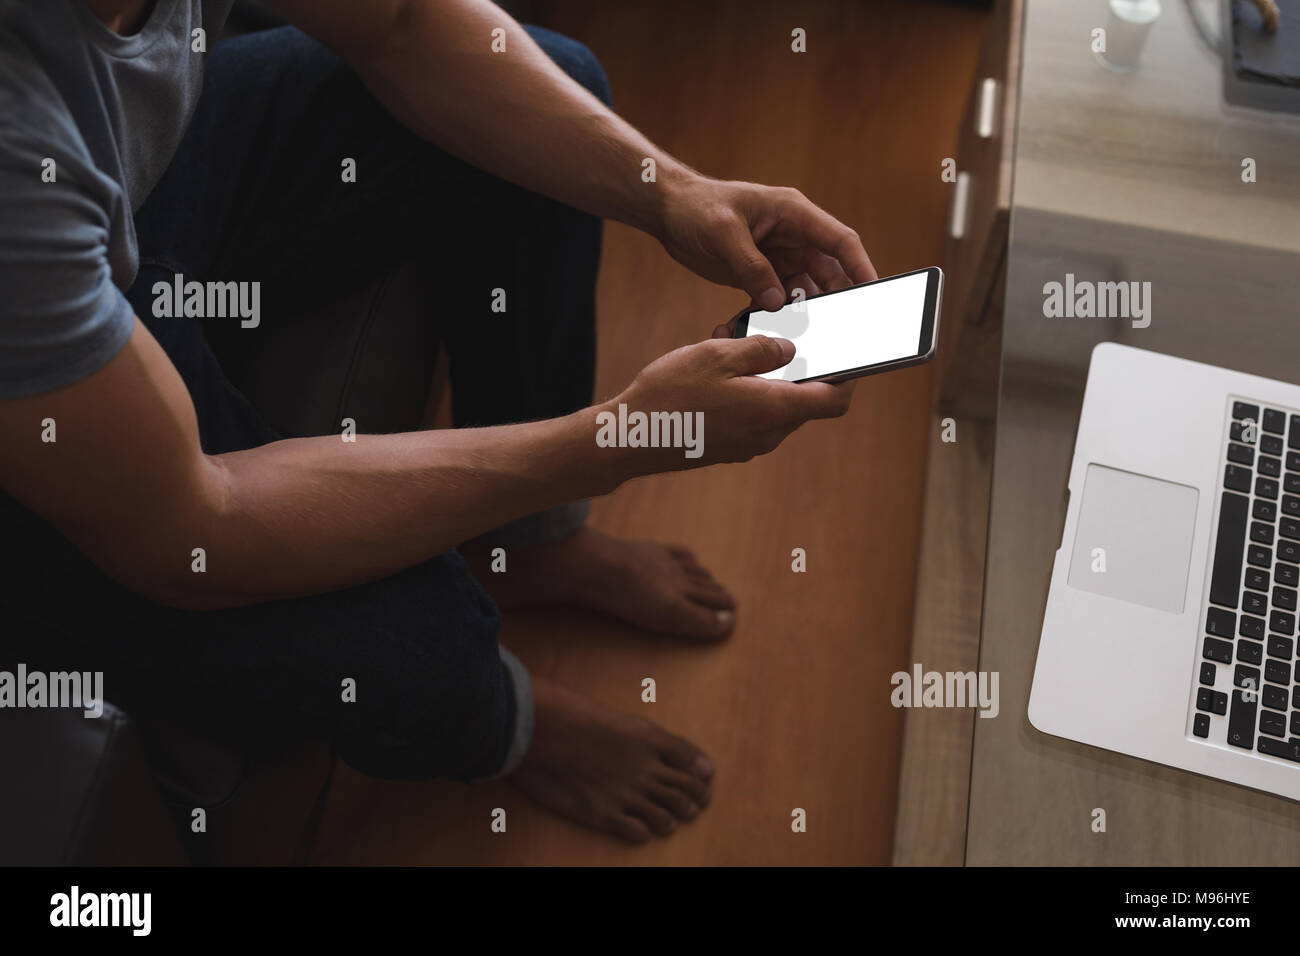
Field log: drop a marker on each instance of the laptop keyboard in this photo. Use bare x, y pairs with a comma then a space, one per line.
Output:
1250, 619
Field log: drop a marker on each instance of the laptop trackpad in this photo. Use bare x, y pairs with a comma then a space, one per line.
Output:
1134, 538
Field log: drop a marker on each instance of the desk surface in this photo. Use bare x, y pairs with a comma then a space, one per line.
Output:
1121, 177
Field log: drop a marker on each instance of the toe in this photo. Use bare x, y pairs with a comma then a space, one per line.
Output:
675, 801
690, 618
711, 595
685, 756
698, 790
656, 817
633, 829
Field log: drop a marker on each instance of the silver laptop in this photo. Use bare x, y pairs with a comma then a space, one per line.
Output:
1170, 631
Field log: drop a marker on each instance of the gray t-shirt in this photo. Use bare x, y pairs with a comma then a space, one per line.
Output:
89, 121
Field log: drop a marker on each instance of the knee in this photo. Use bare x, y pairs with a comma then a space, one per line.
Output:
575, 59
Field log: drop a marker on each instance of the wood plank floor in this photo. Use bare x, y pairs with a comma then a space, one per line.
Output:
795, 708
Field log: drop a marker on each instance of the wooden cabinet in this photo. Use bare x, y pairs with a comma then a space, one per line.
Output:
978, 225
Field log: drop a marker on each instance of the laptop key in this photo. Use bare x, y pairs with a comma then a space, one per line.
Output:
1280, 647
1219, 703
1250, 652
1293, 436
1272, 445
1226, 576
1241, 454
1291, 483
1242, 410
1275, 672
1293, 461
1274, 421
1204, 699
1289, 749
1287, 574
1284, 598
1217, 650
1254, 603
1271, 723
1247, 677
1259, 556
1262, 533
1295, 698
1290, 506
1268, 466
1282, 622
1266, 488
1295, 724
1274, 698
1241, 721
1252, 627
1220, 622
1201, 725
1289, 528
1256, 579
1236, 478
1288, 551
1208, 673
1263, 511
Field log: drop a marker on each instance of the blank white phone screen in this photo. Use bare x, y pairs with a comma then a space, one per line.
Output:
832, 333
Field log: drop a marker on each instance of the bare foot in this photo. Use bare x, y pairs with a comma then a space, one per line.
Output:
610, 771
655, 586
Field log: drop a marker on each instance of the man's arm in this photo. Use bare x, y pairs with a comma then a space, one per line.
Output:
515, 113
128, 484
520, 117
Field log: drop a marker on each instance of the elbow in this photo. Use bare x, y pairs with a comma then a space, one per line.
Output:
166, 556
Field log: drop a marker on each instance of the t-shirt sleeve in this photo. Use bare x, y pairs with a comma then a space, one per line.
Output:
61, 316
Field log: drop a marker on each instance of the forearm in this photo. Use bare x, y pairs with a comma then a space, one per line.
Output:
309, 515
515, 114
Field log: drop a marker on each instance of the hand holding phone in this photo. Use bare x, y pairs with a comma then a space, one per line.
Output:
873, 327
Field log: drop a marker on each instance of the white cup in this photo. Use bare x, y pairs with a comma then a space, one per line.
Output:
1126, 32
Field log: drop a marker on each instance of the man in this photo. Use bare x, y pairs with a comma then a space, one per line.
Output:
171, 537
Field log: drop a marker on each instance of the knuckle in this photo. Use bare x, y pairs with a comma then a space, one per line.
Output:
720, 216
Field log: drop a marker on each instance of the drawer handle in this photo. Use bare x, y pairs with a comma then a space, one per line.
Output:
988, 107
960, 206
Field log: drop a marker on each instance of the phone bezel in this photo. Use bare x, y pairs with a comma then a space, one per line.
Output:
927, 342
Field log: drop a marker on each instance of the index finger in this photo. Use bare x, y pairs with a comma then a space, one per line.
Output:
727, 330
809, 400
836, 240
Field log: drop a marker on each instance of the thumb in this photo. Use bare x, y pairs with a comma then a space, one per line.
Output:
755, 354
751, 269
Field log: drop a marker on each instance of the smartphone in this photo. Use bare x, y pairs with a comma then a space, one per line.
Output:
873, 327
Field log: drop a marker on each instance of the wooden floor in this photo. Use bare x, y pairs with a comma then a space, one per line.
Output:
795, 708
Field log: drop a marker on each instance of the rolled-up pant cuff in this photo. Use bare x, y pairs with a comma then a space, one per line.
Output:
522, 687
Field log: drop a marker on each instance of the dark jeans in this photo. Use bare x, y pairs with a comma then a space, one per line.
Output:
255, 194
